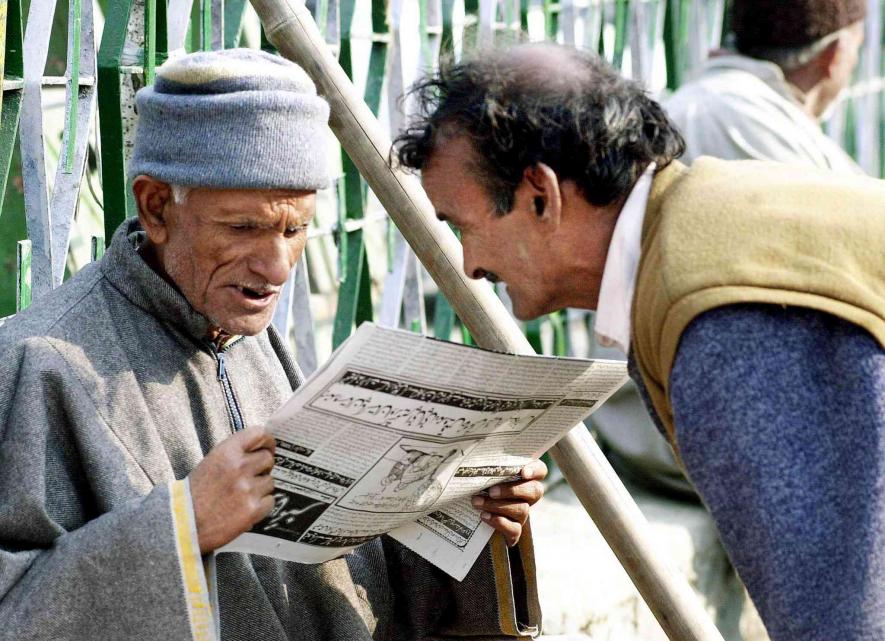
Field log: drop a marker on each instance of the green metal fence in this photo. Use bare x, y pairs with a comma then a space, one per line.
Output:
356, 267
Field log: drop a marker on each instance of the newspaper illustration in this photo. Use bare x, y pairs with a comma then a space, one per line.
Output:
396, 434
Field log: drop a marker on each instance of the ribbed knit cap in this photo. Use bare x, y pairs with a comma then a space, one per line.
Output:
766, 24
237, 118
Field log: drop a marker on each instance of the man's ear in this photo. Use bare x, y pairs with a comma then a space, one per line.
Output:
828, 60
540, 194
152, 196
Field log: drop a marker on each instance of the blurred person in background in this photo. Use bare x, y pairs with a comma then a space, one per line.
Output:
762, 99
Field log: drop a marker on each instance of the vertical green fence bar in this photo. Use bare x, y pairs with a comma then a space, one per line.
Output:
234, 11
206, 25
422, 29
447, 42
443, 314
551, 19
156, 37
355, 290
150, 40
726, 23
112, 72
160, 36
194, 39
676, 22
75, 26
470, 34
117, 202
532, 331
96, 248
3, 14
11, 74
622, 12
23, 275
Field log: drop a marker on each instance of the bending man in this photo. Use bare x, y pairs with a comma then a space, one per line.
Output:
749, 295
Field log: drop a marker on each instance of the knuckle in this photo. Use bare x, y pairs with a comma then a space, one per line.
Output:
502, 491
537, 470
230, 457
521, 511
259, 432
536, 490
501, 523
511, 530
242, 486
528, 491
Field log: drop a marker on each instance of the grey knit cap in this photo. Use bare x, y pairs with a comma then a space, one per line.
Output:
237, 118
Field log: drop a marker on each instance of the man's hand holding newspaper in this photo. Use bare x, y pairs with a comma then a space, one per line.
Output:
506, 506
432, 443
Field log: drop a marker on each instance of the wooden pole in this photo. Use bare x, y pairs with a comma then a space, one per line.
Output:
290, 27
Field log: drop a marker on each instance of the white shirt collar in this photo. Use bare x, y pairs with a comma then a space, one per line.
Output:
767, 72
612, 322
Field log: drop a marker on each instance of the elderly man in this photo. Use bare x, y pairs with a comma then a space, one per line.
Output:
750, 296
132, 401
764, 100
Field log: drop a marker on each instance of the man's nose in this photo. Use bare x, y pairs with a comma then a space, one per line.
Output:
273, 261
471, 264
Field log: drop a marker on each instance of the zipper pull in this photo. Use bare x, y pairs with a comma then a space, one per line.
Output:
222, 372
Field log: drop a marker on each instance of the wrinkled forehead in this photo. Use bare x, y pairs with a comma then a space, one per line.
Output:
450, 167
224, 203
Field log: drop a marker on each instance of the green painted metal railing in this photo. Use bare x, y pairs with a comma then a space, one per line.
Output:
11, 71
138, 37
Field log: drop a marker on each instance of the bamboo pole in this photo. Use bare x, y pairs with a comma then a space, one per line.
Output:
291, 29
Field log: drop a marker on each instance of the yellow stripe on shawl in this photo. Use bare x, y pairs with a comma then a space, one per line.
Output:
191, 564
507, 621
504, 586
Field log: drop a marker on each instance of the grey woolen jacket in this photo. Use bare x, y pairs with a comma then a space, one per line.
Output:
109, 396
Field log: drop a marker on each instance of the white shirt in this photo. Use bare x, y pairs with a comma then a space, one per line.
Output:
612, 321
739, 108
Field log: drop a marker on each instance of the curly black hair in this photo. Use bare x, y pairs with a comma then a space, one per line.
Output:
586, 122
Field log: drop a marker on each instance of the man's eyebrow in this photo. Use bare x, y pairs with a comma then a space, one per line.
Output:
233, 211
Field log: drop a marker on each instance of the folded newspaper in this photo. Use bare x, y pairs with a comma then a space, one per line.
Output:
396, 434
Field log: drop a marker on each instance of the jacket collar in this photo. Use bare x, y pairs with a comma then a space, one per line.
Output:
143, 287
767, 72
612, 321
664, 181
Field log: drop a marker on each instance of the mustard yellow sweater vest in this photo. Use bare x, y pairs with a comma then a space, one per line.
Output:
726, 232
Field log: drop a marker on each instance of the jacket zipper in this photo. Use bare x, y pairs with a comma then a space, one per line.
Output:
233, 407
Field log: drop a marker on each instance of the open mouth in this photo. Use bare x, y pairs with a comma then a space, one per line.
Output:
256, 294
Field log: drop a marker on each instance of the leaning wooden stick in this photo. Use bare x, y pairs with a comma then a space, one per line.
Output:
290, 27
